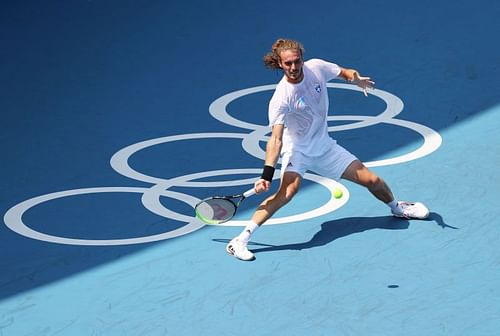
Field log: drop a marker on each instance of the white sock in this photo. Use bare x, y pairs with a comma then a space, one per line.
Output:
247, 232
393, 205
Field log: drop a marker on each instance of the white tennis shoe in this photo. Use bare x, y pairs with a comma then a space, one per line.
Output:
239, 249
411, 210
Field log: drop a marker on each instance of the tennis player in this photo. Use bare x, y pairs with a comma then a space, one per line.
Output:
298, 113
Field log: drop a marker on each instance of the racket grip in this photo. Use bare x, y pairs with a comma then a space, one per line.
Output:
249, 192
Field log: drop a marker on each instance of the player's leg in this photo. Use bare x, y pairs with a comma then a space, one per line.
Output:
358, 173
289, 185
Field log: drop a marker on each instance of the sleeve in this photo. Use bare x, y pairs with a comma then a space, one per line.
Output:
328, 70
278, 109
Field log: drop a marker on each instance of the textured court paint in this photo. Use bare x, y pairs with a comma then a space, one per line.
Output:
85, 79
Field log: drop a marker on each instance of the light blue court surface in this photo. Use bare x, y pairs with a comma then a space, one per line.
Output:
117, 116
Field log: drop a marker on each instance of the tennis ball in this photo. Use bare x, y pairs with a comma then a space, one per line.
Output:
337, 193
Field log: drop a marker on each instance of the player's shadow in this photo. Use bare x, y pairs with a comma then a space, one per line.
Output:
434, 216
343, 227
336, 229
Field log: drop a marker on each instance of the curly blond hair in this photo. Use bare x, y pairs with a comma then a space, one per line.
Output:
272, 58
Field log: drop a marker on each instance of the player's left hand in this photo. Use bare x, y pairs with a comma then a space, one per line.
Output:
363, 82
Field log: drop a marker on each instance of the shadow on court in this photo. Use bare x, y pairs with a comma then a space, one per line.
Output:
434, 216
339, 228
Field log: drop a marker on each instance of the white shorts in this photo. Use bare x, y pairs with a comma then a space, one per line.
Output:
332, 164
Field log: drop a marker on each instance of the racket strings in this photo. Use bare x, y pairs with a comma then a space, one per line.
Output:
215, 210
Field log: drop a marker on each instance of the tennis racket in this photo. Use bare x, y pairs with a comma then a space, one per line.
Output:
220, 209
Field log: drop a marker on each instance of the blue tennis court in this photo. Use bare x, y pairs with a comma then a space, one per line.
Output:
118, 116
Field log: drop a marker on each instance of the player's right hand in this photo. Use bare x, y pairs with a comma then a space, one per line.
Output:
262, 186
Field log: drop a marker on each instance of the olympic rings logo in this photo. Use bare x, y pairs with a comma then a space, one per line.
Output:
250, 143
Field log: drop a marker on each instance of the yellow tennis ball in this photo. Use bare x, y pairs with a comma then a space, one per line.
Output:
337, 193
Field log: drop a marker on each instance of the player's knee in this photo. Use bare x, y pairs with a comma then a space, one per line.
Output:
286, 194
374, 182
291, 191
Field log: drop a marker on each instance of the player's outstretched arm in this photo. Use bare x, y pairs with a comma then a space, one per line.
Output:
354, 77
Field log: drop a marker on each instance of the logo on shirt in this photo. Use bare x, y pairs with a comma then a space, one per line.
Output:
301, 103
317, 87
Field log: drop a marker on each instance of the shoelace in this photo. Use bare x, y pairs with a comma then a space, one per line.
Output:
405, 208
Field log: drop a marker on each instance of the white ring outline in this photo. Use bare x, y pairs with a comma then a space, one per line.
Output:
432, 140
119, 160
13, 219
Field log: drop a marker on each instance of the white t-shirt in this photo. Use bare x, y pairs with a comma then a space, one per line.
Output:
303, 109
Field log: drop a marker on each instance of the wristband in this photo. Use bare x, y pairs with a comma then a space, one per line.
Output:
267, 173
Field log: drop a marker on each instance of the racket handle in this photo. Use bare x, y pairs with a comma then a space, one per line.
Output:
249, 192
